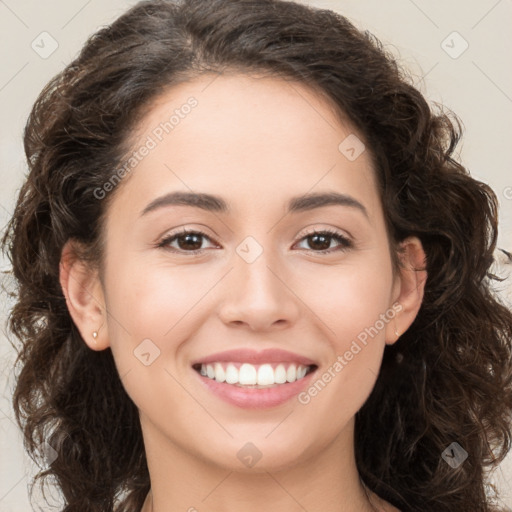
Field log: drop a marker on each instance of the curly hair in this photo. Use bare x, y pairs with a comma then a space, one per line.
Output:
447, 379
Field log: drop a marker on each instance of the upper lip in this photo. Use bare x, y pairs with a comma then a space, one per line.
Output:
244, 355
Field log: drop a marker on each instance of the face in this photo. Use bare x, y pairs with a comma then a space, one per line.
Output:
250, 275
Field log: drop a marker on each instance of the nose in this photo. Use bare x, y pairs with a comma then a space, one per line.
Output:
259, 295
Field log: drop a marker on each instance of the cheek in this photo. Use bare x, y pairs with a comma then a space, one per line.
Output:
348, 299
155, 308
150, 311
353, 308
150, 299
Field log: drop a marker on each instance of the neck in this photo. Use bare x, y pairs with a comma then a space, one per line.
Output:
327, 480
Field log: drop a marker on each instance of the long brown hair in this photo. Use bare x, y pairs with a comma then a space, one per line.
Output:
448, 378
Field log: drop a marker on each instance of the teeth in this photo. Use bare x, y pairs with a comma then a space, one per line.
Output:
301, 372
265, 375
253, 375
231, 374
280, 374
219, 373
247, 374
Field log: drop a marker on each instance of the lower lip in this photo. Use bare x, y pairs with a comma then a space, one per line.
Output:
252, 398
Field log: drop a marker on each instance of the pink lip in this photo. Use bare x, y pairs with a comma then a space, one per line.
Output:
270, 355
252, 398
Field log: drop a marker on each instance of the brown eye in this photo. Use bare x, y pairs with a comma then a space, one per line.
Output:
320, 241
189, 241
186, 241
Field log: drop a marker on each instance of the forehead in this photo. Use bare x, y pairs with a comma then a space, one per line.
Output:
255, 138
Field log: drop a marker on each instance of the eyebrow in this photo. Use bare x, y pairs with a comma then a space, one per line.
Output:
216, 204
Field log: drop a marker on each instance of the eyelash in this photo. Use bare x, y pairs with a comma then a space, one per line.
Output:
345, 243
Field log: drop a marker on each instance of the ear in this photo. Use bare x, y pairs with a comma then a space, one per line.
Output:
409, 288
84, 297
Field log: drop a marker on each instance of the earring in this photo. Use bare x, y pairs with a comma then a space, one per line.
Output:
95, 334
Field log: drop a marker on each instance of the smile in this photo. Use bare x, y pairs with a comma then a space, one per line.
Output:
256, 376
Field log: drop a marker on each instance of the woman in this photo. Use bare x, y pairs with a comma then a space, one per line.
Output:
251, 276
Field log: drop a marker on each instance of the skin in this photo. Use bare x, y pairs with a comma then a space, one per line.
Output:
256, 142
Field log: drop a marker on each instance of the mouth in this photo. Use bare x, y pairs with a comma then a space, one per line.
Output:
251, 379
254, 376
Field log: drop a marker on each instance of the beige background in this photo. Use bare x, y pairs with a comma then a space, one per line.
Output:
477, 85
